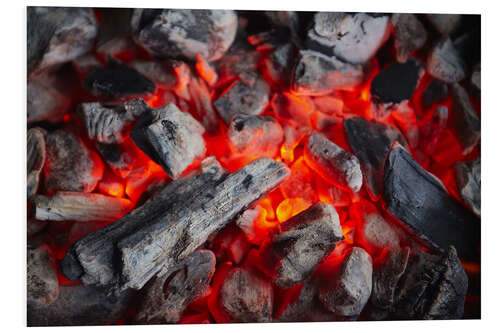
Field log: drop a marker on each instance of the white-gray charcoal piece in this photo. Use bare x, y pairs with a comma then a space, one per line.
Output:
444, 62
41, 278
410, 35
171, 225
468, 177
35, 158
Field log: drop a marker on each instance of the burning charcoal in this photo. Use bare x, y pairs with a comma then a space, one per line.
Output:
435, 92
35, 158
334, 164
45, 103
424, 206
172, 138
57, 35
241, 59
255, 135
169, 293
300, 183
432, 131
117, 80
78, 206
432, 287
349, 294
70, 165
354, 38
43, 285
464, 119
396, 83
205, 70
81, 305
317, 74
406, 120
177, 33
375, 233
203, 104
120, 160
371, 141
292, 109
170, 226
243, 99
468, 176
246, 296
107, 124
279, 62
118, 46
444, 62
445, 23
410, 35
230, 244
247, 223
300, 244
386, 276
156, 71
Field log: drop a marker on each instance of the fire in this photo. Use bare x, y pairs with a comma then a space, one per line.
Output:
291, 207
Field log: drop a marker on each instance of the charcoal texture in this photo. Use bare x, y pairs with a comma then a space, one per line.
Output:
42, 281
445, 63
464, 119
169, 293
44, 101
35, 158
396, 83
468, 177
410, 35
445, 24
182, 33
435, 92
422, 203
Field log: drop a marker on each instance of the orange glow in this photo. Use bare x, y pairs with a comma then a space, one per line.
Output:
287, 154
291, 207
205, 71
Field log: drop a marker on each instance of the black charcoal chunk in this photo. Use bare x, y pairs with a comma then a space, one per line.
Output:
468, 177
80, 305
348, 295
246, 296
410, 35
370, 141
396, 83
279, 62
444, 62
242, 98
318, 74
107, 124
464, 119
41, 278
169, 293
172, 138
334, 164
435, 92
158, 72
350, 37
35, 158
57, 35
114, 23
70, 165
424, 206
116, 80
182, 33
300, 244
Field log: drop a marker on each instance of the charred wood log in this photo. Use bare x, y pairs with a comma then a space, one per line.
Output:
424, 206
172, 138
332, 163
170, 226
300, 244
35, 158
169, 293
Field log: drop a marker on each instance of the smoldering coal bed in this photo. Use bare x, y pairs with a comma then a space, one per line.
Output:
213, 166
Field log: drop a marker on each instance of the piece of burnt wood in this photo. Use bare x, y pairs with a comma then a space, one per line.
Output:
168, 294
445, 24
444, 62
70, 165
370, 141
35, 158
205, 70
170, 137
349, 293
41, 278
300, 244
79, 206
332, 163
242, 98
116, 80
202, 101
410, 35
468, 177
432, 287
386, 275
246, 296
464, 119
56, 35
183, 33
424, 206
255, 135
318, 74
351, 37
396, 83
107, 124
435, 92
80, 305
171, 225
